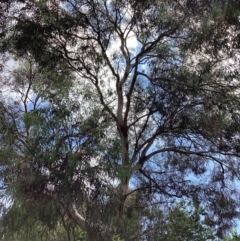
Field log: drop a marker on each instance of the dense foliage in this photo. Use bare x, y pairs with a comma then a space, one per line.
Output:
117, 112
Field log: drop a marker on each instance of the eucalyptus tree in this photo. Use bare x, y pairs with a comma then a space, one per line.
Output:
164, 82
48, 153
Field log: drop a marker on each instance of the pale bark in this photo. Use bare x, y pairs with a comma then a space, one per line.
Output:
77, 217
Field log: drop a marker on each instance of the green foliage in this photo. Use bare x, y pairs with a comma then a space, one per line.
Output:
39, 232
234, 237
182, 222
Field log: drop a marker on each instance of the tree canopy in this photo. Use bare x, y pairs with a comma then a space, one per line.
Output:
118, 108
